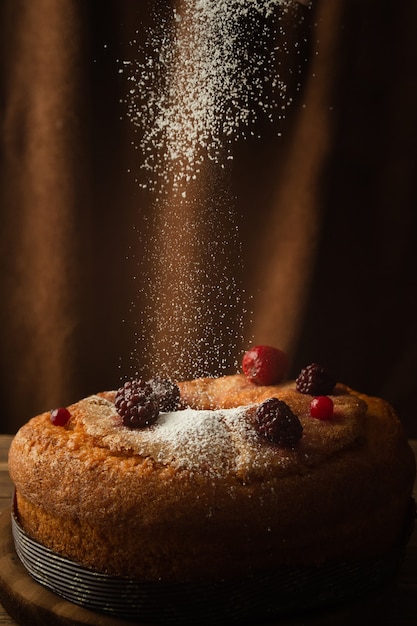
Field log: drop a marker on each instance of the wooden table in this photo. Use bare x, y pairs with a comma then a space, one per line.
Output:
400, 610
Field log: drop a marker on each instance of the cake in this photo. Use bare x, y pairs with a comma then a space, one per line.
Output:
220, 479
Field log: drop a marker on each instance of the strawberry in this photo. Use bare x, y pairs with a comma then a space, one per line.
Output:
264, 365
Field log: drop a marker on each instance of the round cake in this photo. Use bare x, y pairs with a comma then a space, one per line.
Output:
240, 479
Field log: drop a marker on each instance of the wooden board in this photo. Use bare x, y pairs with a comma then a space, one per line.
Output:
30, 604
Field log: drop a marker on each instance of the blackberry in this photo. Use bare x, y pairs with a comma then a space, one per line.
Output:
136, 404
315, 380
165, 392
275, 421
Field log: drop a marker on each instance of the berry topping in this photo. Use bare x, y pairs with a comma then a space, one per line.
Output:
321, 407
136, 404
264, 365
275, 421
60, 417
315, 380
165, 392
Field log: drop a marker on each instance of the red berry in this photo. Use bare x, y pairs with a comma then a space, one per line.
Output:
264, 365
321, 407
60, 417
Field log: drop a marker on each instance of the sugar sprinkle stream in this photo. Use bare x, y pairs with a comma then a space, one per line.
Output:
207, 72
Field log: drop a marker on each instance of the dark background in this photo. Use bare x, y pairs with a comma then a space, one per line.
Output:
327, 212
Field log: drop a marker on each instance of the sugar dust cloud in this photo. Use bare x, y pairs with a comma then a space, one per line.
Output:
205, 73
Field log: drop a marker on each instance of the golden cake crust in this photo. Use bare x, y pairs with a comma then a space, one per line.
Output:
201, 496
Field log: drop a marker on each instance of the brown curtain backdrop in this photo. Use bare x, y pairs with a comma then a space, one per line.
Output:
327, 211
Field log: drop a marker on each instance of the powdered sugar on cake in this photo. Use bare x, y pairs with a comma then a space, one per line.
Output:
214, 441
188, 439
221, 441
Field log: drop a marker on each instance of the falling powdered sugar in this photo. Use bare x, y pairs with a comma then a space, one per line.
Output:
206, 73
203, 75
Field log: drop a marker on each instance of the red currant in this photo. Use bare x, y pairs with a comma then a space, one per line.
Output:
60, 417
264, 365
321, 407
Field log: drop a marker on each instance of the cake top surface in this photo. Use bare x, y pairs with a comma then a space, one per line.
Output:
222, 441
